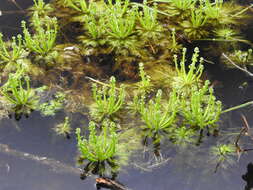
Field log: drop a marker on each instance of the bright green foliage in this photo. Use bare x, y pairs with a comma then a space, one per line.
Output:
195, 27
212, 10
241, 58
202, 109
118, 8
182, 136
159, 116
22, 99
225, 33
150, 28
223, 155
144, 86
51, 107
17, 50
41, 8
43, 41
98, 147
175, 46
108, 99
95, 32
181, 5
78, 5
120, 33
185, 80
63, 128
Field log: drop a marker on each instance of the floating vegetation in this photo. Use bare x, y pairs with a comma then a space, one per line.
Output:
102, 150
202, 109
223, 155
63, 128
114, 62
51, 107
43, 41
17, 50
108, 99
22, 100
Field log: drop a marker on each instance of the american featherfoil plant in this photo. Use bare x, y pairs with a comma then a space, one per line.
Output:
201, 109
44, 38
23, 99
10, 53
108, 99
98, 147
159, 116
187, 78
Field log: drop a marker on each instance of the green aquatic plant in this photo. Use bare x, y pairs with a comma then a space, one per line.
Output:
78, 5
174, 46
202, 110
117, 8
150, 28
101, 149
51, 107
108, 100
120, 32
177, 7
240, 58
195, 27
222, 155
10, 53
185, 80
212, 10
226, 33
63, 128
94, 35
43, 40
182, 136
183, 4
43, 9
23, 99
144, 86
158, 116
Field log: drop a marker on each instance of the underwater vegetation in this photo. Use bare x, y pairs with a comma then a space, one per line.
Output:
131, 69
108, 100
22, 100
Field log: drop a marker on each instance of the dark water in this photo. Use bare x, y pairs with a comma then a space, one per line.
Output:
189, 170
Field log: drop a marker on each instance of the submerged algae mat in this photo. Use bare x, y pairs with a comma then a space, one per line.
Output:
37, 159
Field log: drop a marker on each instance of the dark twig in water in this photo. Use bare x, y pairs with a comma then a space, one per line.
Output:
55, 165
244, 131
104, 182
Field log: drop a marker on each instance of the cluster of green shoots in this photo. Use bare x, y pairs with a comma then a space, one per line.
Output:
16, 53
44, 38
108, 99
50, 108
223, 155
18, 93
186, 79
22, 99
63, 128
188, 109
241, 58
100, 149
199, 18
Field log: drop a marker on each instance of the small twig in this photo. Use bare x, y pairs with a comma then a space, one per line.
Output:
243, 131
99, 82
238, 67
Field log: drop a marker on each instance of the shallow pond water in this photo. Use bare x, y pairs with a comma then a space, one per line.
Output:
188, 170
